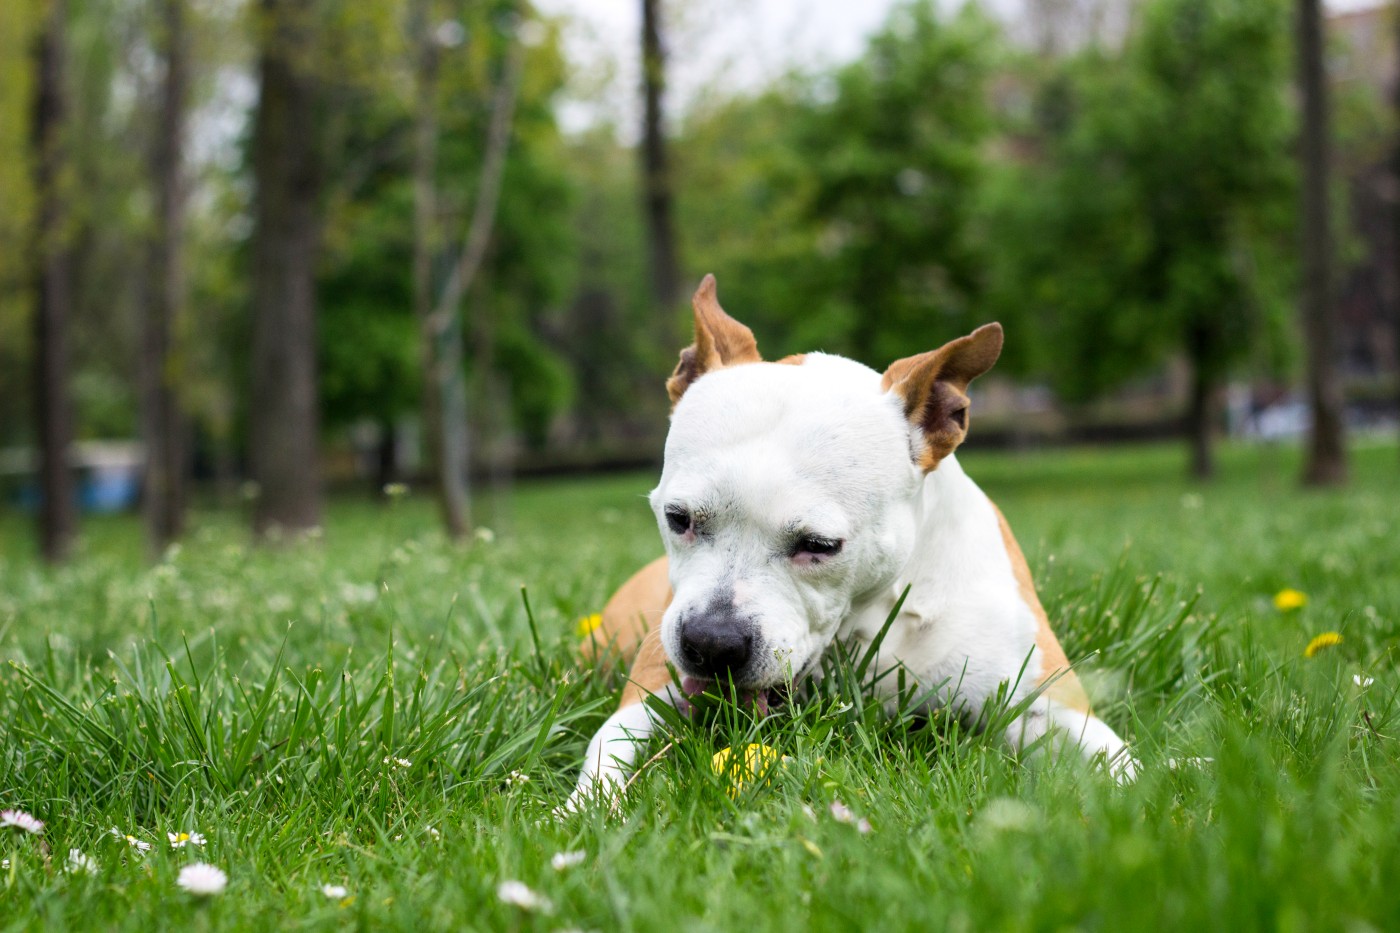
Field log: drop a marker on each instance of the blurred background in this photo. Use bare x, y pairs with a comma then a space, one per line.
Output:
258, 252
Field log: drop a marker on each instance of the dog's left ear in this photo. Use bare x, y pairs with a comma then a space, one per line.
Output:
720, 341
933, 387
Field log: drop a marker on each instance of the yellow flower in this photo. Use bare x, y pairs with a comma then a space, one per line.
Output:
1288, 599
587, 625
1323, 641
756, 763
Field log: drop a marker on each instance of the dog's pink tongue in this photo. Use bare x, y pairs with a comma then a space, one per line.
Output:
759, 698
693, 686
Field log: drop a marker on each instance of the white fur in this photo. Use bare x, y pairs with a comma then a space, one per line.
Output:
611, 754
761, 449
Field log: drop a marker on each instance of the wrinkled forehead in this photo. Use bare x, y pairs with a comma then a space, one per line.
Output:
784, 438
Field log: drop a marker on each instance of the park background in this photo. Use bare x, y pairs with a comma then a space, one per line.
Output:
333, 336
271, 249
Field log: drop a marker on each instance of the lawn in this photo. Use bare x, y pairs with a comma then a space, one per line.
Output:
374, 711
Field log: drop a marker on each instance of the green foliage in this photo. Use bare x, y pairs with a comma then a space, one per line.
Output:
846, 202
1155, 212
896, 157
17, 19
618, 350
369, 337
369, 710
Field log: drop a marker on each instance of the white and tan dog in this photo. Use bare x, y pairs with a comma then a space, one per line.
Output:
798, 500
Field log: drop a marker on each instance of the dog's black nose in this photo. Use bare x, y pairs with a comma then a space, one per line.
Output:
713, 647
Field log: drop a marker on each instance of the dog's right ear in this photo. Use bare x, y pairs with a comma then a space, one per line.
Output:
933, 387
720, 341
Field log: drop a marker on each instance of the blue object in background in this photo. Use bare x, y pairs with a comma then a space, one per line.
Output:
107, 489
108, 478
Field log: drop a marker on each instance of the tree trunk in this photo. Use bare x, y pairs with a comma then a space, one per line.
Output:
445, 452
1200, 415
58, 516
283, 417
1395, 231
425, 229
656, 178
443, 325
163, 422
386, 459
1326, 455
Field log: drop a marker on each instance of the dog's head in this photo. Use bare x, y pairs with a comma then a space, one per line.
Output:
792, 491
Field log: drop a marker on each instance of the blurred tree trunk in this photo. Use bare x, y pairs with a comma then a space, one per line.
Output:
446, 455
1395, 228
163, 422
283, 415
1326, 456
1202, 409
443, 324
656, 175
58, 516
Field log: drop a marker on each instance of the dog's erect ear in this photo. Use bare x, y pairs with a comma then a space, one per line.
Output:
933, 387
720, 341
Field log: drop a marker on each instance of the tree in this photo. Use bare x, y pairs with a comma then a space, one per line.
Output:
1154, 214
284, 403
443, 324
18, 31
1326, 456
1395, 210
896, 159
163, 421
1326, 450
58, 517
399, 184
657, 184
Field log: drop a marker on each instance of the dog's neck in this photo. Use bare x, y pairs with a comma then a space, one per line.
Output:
957, 544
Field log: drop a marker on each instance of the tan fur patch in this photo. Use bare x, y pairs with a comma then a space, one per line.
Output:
633, 611
1066, 689
649, 673
720, 342
796, 359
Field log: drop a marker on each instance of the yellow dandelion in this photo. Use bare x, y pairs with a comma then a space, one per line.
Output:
757, 761
587, 625
1289, 599
1322, 642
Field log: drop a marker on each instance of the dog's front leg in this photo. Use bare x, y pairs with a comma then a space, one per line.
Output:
613, 750
1088, 733
611, 755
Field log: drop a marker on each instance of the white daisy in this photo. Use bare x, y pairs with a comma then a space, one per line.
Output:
563, 860
432, 832
80, 863
180, 840
21, 820
131, 840
842, 814
335, 891
202, 879
519, 894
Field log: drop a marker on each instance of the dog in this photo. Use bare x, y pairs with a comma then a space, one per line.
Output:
797, 501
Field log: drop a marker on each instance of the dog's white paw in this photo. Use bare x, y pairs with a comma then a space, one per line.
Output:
1123, 767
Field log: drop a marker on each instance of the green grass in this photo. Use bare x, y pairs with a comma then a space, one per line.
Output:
254, 695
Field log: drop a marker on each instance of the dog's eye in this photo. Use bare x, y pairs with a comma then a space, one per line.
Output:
678, 518
821, 547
